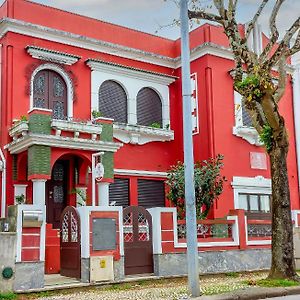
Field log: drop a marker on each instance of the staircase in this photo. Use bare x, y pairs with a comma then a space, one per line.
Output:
52, 250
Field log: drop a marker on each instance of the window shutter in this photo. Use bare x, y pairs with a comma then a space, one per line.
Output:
149, 107
113, 101
119, 192
151, 193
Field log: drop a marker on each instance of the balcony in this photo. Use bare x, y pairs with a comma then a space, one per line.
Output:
42, 129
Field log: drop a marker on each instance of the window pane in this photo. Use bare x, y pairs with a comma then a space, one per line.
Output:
243, 202
265, 203
254, 202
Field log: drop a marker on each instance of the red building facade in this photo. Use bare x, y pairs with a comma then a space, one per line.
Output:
76, 91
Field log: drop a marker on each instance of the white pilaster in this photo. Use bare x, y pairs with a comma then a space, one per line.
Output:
39, 191
19, 190
296, 100
103, 193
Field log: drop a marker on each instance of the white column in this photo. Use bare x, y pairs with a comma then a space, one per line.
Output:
39, 191
103, 193
296, 100
131, 111
19, 190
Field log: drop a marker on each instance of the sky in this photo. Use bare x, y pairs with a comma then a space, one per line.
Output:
156, 16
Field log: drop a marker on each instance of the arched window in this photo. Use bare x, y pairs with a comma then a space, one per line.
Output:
149, 108
113, 101
50, 92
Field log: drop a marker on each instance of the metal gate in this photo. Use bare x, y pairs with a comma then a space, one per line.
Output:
70, 243
137, 227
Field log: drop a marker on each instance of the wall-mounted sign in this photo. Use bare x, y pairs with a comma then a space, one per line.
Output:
99, 172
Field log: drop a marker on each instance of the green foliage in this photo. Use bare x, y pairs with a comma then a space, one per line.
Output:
23, 118
208, 185
20, 199
250, 86
272, 282
97, 114
266, 137
8, 296
155, 125
232, 274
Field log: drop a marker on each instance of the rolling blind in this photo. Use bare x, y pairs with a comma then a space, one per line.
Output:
119, 192
113, 101
149, 108
151, 193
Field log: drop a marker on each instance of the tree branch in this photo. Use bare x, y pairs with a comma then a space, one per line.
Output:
296, 46
219, 4
283, 48
204, 15
274, 31
254, 20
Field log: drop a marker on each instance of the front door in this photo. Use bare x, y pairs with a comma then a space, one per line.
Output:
137, 227
57, 192
70, 243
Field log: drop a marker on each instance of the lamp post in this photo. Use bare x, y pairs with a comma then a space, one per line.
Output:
191, 222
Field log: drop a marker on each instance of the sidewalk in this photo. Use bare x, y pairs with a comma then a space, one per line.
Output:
254, 293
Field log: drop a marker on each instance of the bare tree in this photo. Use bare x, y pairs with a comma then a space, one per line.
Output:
253, 79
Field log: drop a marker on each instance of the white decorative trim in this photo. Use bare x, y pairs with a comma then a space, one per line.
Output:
250, 185
249, 134
76, 127
136, 134
140, 173
52, 55
25, 142
114, 68
64, 75
20, 128
156, 229
295, 214
85, 212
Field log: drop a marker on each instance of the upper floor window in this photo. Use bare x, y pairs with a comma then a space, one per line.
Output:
50, 92
149, 108
113, 101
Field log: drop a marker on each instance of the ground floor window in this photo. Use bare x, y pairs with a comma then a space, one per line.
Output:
137, 191
254, 202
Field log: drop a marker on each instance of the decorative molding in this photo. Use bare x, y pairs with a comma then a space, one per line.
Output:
108, 67
251, 182
249, 134
76, 127
20, 128
140, 135
23, 143
52, 55
140, 173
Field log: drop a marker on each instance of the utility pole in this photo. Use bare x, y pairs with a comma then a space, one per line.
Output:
190, 207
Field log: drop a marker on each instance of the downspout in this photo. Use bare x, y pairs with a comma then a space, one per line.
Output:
296, 104
3, 181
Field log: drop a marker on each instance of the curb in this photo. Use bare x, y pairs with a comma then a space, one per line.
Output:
254, 294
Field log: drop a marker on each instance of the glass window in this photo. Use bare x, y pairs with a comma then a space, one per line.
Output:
243, 202
254, 202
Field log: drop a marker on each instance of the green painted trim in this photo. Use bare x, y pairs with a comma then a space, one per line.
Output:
39, 158
108, 163
39, 123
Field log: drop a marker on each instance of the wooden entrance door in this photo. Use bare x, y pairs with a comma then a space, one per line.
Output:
57, 193
137, 226
70, 243
50, 91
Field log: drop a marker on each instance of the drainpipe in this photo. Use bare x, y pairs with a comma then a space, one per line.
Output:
3, 191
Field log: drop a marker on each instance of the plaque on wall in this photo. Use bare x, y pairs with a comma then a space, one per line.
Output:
104, 234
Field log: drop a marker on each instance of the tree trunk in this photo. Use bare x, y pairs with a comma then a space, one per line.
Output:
283, 263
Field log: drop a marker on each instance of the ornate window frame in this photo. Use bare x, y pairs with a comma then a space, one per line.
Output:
245, 132
64, 75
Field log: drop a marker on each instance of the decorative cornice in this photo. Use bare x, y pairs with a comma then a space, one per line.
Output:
22, 144
249, 134
52, 55
140, 135
251, 182
100, 65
